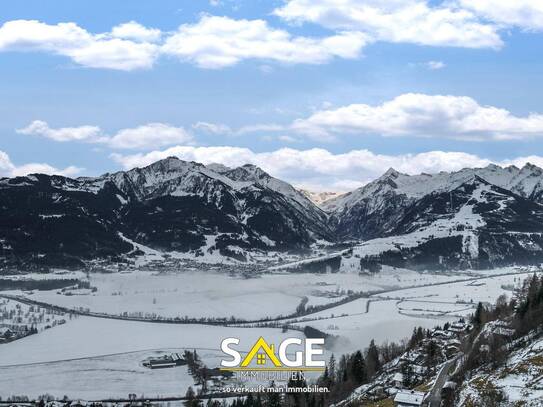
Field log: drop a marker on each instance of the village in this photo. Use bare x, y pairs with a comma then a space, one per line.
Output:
422, 376
18, 320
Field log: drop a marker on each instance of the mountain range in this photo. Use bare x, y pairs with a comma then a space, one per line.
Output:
481, 217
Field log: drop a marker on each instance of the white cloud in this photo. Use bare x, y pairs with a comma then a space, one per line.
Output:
135, 31
320, 169
41, 168
420, 115
81, 133
151, 135
8, 169
525, 14
218, 42
435, 65
398, 21
212, 42
212, 128
225, 130
287, 139
84, 48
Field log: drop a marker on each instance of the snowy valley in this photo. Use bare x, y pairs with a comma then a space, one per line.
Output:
109, 272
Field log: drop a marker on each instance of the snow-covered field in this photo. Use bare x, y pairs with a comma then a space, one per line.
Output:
382, 323
484, 290
213, 294
87, 336
21, 317
392, 316
95, 358
94, 378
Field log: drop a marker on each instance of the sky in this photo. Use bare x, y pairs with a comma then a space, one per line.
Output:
325, 94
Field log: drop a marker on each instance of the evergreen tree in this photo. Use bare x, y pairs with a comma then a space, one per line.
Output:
191, 400
372, 360
358, 367
332, 368
478, 318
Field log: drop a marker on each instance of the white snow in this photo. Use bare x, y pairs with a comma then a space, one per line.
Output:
93, 357
463, 223
522, 181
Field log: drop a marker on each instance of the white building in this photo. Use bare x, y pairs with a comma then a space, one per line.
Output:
409, 398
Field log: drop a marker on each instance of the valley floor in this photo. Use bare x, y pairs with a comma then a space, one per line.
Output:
96, 358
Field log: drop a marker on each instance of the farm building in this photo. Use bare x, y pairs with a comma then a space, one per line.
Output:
164, 362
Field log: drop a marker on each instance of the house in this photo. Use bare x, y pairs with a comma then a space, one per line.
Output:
459, 327
397, 380
164, 362
409, 398
438, 333
502, 329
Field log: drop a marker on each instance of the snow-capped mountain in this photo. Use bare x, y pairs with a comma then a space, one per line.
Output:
170, 205
319, 198
375, 209
478, 217
471, 218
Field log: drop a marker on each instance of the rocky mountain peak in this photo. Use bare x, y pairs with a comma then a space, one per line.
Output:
529, 167
391, 173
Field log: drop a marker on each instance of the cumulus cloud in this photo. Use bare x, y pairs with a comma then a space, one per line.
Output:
525, 14
320, 169
70, 40
218, 42
8, 169
151, 135
212, 42
398, 21
135, 31
420, 115
81, 133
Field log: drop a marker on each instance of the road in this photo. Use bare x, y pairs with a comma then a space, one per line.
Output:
434, 399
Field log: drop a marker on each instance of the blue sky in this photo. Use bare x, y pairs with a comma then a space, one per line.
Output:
326, 94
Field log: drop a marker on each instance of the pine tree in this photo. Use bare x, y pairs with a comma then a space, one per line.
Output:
478, 318
358, 367
372, 360
191, 400
332, 369
342, 368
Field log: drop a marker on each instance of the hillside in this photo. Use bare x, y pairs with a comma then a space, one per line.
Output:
171, 205
478, 218
473, 218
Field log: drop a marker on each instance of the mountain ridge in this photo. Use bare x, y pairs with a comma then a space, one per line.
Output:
170, 205
477, 217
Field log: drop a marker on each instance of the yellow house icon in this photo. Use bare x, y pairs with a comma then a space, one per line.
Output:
268, 350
